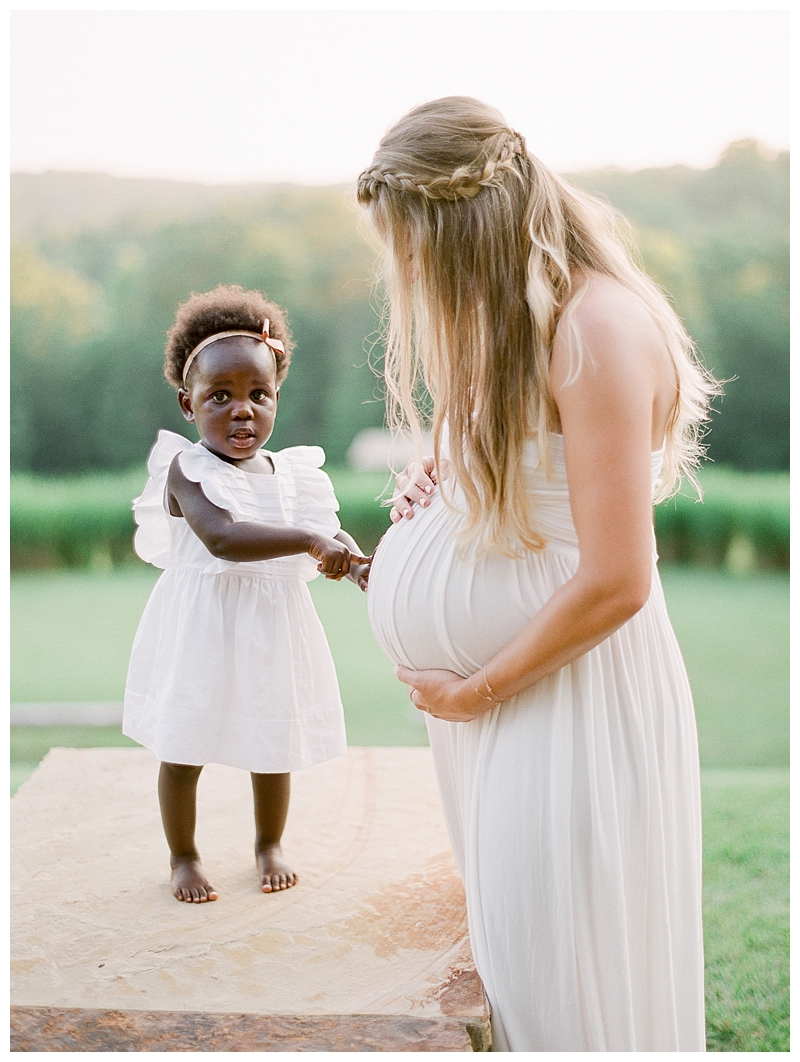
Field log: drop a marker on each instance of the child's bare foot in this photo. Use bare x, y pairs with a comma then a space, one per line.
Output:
189, 883
273, 870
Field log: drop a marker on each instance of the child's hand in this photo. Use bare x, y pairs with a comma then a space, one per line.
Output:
334, 558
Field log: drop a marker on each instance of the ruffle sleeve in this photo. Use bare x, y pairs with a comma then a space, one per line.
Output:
307, 492
223, 484
299, 494
152, 539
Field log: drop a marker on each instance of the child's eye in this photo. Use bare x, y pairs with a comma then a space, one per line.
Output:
219, 396
259, 395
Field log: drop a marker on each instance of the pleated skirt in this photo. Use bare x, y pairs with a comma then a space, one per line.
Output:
235, 669
573, 809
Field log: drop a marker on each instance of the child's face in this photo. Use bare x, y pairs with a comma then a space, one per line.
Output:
232, 396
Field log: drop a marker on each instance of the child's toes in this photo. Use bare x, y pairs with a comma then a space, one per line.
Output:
274, 874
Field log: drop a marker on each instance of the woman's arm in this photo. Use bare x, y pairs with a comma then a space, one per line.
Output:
359, 565
609, 428
234, 540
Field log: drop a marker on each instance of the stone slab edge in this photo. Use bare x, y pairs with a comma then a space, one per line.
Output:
83, 1029
69, 713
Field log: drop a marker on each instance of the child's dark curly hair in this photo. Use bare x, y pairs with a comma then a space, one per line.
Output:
227, 308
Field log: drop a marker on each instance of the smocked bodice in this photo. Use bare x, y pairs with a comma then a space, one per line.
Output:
298, 494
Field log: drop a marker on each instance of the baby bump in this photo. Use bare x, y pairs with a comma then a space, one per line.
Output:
430, 609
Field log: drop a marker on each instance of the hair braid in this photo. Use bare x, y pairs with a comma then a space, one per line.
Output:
465, 181
486, 251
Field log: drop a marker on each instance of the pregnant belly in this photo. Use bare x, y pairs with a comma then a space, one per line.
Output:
430, 609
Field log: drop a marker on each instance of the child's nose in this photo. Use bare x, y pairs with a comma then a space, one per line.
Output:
242, 411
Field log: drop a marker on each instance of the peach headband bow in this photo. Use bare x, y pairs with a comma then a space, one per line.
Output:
275, 344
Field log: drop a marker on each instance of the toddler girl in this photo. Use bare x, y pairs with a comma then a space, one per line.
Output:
230, 663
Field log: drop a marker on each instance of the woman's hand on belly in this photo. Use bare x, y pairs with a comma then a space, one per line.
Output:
443, 694
414, 486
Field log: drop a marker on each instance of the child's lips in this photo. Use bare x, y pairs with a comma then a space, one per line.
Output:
242, 438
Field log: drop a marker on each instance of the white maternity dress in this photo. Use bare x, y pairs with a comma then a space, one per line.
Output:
573, 808
230, 663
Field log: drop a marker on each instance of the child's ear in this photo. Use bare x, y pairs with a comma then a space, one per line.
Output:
185, 402
277, 393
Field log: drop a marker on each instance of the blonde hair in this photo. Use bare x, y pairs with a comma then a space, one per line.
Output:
486, 250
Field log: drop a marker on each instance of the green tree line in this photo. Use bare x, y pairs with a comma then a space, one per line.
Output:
100, 263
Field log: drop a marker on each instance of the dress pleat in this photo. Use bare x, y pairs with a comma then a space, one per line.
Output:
573, 808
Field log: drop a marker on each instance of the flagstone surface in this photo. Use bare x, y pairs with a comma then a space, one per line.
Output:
368, 952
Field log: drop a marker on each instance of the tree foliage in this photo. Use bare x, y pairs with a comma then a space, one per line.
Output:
717, 241
99, 265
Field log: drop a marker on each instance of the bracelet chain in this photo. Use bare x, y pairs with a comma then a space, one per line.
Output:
490, 695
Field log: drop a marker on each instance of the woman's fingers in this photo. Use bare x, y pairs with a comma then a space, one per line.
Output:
437, 692
411, 677
414, 486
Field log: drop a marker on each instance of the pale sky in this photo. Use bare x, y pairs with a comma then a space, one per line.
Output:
262, 95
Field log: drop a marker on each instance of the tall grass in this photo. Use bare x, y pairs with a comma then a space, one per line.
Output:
742, 522
73, 522
86, 521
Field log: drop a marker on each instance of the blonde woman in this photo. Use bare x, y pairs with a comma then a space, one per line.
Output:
522, 603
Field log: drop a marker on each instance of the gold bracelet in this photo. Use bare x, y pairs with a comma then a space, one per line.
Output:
476, 690
491, 695
489, 688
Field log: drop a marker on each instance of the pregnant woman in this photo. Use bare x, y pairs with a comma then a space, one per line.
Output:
521, 602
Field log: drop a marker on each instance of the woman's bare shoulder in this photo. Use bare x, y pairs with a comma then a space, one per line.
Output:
604, 308
610, 358
608, 327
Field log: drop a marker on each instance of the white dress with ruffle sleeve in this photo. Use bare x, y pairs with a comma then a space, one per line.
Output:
230, 663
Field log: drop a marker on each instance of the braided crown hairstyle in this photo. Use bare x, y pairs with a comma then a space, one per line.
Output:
486, 250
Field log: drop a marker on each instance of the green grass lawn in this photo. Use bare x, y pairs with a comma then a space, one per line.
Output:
746, 909
72, 634
734, 636
72, 631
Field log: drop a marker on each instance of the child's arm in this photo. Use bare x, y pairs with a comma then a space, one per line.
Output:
233, 540
359, 572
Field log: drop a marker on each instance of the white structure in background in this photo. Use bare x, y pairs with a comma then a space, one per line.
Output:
377, 450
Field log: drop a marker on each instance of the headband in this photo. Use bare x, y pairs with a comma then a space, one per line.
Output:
275, 344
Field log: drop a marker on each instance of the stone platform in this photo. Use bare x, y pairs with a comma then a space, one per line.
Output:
369, 952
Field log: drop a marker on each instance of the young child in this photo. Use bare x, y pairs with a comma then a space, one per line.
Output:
230, 663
